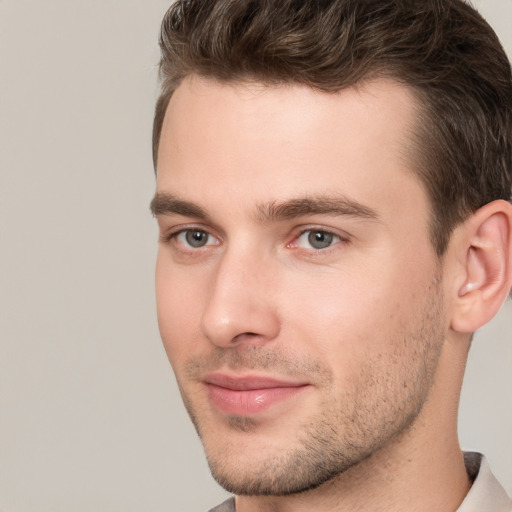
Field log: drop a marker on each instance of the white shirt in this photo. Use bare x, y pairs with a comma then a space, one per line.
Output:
486, 493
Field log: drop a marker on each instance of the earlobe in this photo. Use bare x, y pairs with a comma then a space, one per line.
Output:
487, 266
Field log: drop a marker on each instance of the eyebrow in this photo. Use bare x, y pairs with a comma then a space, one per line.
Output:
337, 206
168, 204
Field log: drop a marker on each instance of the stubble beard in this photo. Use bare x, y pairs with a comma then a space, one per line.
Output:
376, 412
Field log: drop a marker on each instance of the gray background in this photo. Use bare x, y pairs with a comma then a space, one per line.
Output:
90, 419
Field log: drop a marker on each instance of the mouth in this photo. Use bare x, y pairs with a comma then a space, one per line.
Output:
249, 395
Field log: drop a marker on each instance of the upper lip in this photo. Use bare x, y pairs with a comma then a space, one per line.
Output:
248, 382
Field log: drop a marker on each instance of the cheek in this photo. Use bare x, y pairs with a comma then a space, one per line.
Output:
339, 303
178, 300
348, 318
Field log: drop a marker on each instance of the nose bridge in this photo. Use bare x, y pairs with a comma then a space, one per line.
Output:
239, 304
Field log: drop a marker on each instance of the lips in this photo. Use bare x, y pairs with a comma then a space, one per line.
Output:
248, 396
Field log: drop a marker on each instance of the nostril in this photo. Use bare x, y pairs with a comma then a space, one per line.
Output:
246, 336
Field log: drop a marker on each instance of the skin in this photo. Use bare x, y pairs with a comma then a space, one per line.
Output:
362, 324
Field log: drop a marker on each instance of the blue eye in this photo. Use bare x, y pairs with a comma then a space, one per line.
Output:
195, 238
317, 239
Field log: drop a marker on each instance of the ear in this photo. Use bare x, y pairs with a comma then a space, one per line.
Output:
485, 277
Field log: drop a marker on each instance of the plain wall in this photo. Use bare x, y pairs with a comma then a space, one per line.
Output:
90, 417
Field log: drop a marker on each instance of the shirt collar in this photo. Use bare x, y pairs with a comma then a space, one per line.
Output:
486, 494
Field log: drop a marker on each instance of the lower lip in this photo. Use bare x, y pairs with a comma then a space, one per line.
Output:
249, 402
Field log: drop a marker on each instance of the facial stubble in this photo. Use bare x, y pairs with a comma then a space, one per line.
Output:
351, 426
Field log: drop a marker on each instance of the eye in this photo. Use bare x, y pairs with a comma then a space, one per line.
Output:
195, 238
317, 239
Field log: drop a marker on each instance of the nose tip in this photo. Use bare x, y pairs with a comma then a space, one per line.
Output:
232, 322
240, 308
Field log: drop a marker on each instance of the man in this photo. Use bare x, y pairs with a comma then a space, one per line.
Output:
333, 196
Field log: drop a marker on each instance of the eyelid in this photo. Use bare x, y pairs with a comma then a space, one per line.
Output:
170, 235
341, 236
207, 238
332, 240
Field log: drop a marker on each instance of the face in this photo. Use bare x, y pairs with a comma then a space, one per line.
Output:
298, 293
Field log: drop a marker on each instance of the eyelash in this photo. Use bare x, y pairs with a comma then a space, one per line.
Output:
335, 240
171, 238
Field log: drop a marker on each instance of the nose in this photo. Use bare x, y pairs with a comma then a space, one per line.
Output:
240, 306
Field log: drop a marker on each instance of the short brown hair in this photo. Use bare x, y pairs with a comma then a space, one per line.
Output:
443, 49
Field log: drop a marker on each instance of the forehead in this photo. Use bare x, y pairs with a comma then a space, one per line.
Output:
281, 142
200, 105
